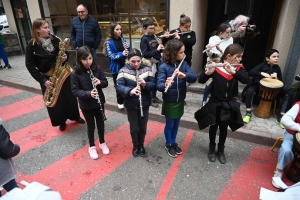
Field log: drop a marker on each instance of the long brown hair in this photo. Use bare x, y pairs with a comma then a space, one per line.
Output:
171, 50
110, 34
37, 24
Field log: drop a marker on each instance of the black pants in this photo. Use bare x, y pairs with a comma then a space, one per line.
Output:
222, 127
90, 116
120, 98
10, 185
138, 126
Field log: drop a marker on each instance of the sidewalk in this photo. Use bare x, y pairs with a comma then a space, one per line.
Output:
261, 131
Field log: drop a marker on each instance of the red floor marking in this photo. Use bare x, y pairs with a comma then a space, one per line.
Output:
7, 91
76, 173
22, 107
255, 172
165, 188
39, 133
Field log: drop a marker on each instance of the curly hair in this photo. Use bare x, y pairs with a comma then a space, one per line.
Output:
171, 50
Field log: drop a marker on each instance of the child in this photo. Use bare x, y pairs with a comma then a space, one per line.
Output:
135, 81
222, 110
290, 121
173, 99
8, 174
82, 87
187, 36
268, 69
215, 49
151, 49
117, 50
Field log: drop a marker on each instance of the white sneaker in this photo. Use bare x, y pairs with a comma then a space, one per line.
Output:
277, 174
104, 148
93, 152
121, 106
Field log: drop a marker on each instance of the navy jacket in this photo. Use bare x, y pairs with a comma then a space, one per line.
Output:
177, 92
149, 47
85, 33
81, 85
126, 81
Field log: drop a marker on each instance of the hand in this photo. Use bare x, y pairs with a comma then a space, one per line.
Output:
274, 76
160, 47
125, 52
94, 93
96, 81
176, 36
167, 33
136, 90
228, 68
48, 84
209, 71
179, 74
169, 81
266, 75
219, 48
208, 47
64, 57
142, 82
241, 28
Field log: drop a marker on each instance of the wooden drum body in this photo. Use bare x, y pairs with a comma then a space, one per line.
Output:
292, 171
268, 91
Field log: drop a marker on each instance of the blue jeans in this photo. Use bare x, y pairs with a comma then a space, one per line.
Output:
10, 185
285, 155
171, 130
3, 55
207, 91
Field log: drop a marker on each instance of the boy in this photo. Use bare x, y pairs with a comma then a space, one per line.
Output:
151, 49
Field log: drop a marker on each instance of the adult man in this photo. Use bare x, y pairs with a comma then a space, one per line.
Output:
85, 30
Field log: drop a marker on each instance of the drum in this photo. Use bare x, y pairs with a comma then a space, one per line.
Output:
268, 91
292, 171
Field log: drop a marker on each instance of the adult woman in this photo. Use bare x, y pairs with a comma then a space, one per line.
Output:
41, 55
135, 80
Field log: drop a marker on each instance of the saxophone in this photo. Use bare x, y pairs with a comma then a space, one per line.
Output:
60, 73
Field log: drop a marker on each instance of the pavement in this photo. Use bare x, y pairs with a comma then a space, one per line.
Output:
258, 130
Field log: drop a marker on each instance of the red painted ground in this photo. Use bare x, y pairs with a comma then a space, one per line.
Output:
7, 91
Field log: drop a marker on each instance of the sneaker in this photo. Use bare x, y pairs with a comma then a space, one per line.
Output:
154, 104
157, 100
277, 174
177, 149
203, 103
7, 66
1, 67
104, 148
278, 121
121, 106
171, 151
93, 152
247, 118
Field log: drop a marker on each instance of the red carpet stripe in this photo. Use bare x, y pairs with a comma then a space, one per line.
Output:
22, 107
165, 188
78, 172
7, 91
39, 133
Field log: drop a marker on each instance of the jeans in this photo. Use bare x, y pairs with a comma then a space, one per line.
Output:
171, 130
207, 91
285, 155
10, 185
3, 55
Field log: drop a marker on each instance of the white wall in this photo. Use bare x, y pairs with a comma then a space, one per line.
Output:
34, 9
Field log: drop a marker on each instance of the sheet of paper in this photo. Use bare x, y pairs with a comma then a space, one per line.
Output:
266, 194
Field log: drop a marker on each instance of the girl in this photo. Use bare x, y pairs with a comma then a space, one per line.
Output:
82, 87
223, 110
173, 100
117, 50
135, 81
188, 37
215, 49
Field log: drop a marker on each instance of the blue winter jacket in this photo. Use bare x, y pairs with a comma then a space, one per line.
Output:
126, 81
114, 56
177, 92
85, 32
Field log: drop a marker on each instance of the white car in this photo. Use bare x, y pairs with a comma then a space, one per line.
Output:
3, 24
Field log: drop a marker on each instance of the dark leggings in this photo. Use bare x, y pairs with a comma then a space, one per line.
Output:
120, 98
89, 116
223, 129
10, 185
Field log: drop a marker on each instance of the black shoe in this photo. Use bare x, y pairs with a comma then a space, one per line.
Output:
135, 151
7, 66
142, 150
220, 154
1, 67
62, 127
212, 153
80, 121
177, 149
171, 151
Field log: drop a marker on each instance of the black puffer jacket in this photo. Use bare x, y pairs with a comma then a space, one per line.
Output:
7, 148
81, 85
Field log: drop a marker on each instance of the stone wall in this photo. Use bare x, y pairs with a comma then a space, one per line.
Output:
11, 44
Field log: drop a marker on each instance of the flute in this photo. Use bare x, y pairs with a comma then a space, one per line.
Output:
219, 65
179, 33
140, 94
124, 43
210, 48
173, 75
98, 99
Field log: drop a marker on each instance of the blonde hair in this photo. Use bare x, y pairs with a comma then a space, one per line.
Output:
37, 24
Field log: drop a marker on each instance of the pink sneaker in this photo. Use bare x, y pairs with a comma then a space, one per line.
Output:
104, 148
93, 152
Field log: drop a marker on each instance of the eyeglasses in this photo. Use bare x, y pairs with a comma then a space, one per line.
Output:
151, 28
80, 12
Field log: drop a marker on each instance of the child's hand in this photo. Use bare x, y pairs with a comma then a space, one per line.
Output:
96, 81
228, 68
176, 36
167, 32
136, 90
169, 81
160, 47
94, 93
179, 74
142, 82
209, 71
125, 52
264, 74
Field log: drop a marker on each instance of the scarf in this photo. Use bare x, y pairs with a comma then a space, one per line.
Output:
47, 44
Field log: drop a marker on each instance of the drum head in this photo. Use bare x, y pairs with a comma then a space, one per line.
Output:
271, 83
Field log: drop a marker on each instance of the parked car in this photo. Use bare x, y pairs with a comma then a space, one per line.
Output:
3, 24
